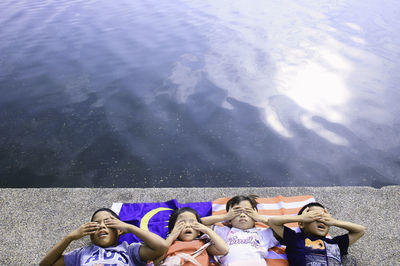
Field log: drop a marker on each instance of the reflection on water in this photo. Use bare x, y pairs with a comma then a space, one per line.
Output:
199, 93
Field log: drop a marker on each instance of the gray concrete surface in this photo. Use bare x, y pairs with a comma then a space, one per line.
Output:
34, 219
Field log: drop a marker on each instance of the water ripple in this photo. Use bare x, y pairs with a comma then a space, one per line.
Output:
199, 93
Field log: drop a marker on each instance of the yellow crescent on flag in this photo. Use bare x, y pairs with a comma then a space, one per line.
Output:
144, 222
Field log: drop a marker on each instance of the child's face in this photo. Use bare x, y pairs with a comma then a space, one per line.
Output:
187, 233
315, 228
243, 221
104, 236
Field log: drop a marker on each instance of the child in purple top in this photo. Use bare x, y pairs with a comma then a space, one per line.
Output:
104, 230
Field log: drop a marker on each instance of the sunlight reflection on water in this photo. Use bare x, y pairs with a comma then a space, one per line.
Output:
199, 93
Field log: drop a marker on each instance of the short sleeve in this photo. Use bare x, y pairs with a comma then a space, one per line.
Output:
289, 236
133, 253
222, 231
73, 257
268, 237
343, 243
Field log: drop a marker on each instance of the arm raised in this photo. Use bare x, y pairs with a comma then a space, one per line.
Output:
232, 213
170, 239
277, 222
356, 231
218, 247
253, 214
55, 255
154, 246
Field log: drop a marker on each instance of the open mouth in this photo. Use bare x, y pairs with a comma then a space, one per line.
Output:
321, 226
102, 234
187, 232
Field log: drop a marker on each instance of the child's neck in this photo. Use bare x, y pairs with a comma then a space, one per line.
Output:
243, 228
313, 236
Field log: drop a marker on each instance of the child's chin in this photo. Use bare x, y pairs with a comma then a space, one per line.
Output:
244, 226
103, 243
187, 238
321, 234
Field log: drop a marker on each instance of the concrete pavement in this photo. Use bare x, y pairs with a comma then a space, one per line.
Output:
34, 219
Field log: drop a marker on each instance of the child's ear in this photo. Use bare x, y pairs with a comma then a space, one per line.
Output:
301, 225
120, 232
226, 223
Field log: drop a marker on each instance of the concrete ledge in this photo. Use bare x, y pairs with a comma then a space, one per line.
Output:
34, 219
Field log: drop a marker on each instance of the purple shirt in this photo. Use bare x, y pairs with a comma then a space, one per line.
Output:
92, 255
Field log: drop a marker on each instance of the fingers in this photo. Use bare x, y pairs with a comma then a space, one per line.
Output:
326, 213
320, 215
90, 225
112, 218
180, 224
198, 226
250, 210
313, 215
327, 217
310, 215
253, 214
179, 227
238, 210
235, 211
327, 220
89, 228
112, 222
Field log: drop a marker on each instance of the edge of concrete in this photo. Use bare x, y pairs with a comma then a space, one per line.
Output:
34, 219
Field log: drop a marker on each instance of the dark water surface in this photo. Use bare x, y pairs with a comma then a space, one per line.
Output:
199, 93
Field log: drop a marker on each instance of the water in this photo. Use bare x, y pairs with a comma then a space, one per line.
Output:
199, 93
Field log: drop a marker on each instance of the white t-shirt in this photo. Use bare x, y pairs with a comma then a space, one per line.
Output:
246, 247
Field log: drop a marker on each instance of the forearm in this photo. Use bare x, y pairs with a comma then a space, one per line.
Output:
284, 219
170, 239
351, 227
153, 241
355, 230
56, 252
277, 223
218, 247
263, 220
210, 220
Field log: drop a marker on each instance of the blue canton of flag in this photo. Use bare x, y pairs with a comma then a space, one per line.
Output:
154, 216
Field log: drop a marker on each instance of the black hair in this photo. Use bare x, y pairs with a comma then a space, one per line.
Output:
176, 213
105, 210
309, 205
237, 199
